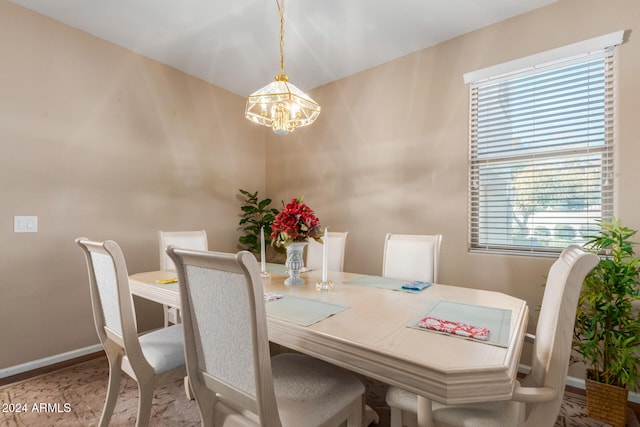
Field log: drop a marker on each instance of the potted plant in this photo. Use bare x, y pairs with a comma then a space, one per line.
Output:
256, 214
607, 328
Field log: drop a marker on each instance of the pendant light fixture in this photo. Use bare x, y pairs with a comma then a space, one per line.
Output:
281, 105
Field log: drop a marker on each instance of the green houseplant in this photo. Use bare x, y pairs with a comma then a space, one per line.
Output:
256, 214
607, 328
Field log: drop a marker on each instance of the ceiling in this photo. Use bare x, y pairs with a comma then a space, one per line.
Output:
234, 44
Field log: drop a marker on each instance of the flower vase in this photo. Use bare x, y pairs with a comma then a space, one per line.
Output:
294, 263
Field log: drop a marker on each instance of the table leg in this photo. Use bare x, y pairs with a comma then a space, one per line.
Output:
425, 417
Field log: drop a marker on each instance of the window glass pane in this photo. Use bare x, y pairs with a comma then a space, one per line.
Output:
539, 202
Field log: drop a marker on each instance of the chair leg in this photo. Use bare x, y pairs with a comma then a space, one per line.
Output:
176, 316
207, 412
165, 309
369, 416
112, 392
395, 419
145, 399
355, 419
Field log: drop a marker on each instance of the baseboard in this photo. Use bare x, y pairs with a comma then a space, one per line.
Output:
46, 361
578, 383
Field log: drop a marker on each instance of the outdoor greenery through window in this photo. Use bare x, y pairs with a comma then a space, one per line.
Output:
541, 156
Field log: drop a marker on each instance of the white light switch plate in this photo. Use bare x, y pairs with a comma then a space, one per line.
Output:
25, 224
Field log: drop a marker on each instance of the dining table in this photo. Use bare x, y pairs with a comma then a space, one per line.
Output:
375, 326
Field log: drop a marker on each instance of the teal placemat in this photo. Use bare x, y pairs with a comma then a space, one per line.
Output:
168, 286
381, 282
302, 311
276, 268
497, 320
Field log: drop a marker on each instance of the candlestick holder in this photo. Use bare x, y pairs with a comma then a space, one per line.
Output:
324, 286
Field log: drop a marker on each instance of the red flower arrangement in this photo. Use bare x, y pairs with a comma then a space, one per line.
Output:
296, 222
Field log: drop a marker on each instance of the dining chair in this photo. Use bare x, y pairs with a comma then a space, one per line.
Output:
182, 239
537, 398
152, 358
335, 255
411, 256
234, 379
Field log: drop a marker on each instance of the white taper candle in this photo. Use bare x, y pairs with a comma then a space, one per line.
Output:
263, 261
325, 253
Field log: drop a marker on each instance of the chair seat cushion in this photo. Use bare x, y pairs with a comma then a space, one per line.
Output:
311, 390
482, 414
164, 348
486, 414
402, 399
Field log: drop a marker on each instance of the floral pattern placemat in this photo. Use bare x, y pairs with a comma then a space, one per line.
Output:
487, 324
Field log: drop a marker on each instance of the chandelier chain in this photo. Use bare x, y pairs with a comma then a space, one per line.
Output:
281, 11
281, 105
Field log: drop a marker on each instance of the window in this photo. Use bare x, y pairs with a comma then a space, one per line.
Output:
541, 150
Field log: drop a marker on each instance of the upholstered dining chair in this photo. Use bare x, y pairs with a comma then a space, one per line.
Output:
181, 239
150, 359
411, 256
335, 255
536, 400
234, 379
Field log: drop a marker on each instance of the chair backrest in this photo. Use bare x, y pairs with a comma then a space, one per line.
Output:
335, 256
411, 256
111, 299
224, 321
181, 239
554, 333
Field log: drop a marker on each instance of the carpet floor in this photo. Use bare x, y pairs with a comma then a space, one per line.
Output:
73, 397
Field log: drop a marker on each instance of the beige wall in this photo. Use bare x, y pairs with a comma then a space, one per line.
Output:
389, 151
100, 142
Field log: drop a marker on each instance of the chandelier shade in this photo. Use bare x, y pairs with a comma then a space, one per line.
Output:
280, 104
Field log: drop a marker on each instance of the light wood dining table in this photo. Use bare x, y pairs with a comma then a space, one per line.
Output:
372, 335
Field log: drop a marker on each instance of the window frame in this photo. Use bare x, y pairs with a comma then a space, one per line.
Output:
556, 59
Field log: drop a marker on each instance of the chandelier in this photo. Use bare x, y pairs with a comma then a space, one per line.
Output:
281, 105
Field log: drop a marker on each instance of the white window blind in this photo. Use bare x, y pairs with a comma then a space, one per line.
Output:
541, 155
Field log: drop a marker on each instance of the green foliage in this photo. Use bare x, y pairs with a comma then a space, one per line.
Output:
256, 213
607, 329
